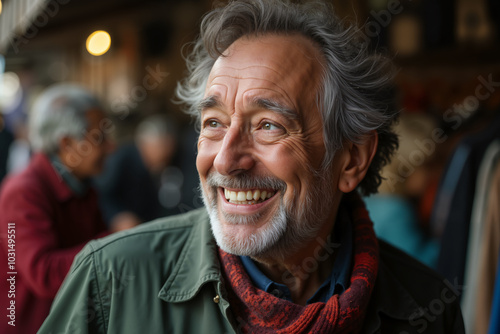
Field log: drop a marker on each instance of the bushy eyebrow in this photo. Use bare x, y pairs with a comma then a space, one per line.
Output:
214, 101
273, 105
211, 101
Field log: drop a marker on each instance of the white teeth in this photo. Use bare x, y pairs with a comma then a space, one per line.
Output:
247, 197
256, 194
241, 196
233, 196
263, 195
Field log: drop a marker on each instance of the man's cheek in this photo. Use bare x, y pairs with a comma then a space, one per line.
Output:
207, 151
204, 161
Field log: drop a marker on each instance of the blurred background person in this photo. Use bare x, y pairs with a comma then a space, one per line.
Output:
50, 207
129, 187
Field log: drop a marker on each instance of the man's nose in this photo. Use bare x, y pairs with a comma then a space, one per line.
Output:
235, 154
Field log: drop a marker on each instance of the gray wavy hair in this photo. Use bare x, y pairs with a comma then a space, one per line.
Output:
59, 111
356, 95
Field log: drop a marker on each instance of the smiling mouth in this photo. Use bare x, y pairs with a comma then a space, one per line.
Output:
248, 197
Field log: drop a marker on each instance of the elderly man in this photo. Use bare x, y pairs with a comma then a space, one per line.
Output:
48, 213
294, 121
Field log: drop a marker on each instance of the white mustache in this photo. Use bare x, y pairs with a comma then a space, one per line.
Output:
245, 181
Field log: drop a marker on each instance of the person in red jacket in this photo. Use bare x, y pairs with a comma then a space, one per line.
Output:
48, 212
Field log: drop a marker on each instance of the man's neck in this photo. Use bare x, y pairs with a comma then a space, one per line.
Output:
65, 160
306, 269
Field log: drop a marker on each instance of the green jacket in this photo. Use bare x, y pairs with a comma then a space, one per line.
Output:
164, 277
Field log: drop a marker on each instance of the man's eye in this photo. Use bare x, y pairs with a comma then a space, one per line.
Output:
212, 124
269, 126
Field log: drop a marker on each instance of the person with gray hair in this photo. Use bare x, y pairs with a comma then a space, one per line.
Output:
295, 120
60, 125
49, 212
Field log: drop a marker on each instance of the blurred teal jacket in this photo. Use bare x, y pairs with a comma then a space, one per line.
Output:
164, 277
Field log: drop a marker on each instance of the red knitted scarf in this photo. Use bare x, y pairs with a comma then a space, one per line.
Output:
257, 311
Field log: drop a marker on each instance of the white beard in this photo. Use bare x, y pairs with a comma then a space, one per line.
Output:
285, 231
255, 244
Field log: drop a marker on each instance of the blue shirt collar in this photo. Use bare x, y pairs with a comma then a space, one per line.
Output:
336, 283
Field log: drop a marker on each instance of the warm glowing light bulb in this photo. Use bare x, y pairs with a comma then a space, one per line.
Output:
0, 6
98, 43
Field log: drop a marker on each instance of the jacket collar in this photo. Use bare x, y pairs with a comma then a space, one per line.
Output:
198, 264
77, 187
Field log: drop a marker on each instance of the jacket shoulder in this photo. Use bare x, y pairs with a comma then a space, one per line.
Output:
25, 180
410, 297
422, 283
397, 258
23, 191
170, 226
419, 279
156, 242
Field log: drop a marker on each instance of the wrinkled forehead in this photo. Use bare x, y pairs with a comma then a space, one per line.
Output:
290, 66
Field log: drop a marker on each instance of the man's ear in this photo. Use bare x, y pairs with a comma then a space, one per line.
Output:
356, 158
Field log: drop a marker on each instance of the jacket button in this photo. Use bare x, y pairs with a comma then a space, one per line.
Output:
216, 299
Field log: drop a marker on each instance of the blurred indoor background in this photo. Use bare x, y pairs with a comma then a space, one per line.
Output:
129, 53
